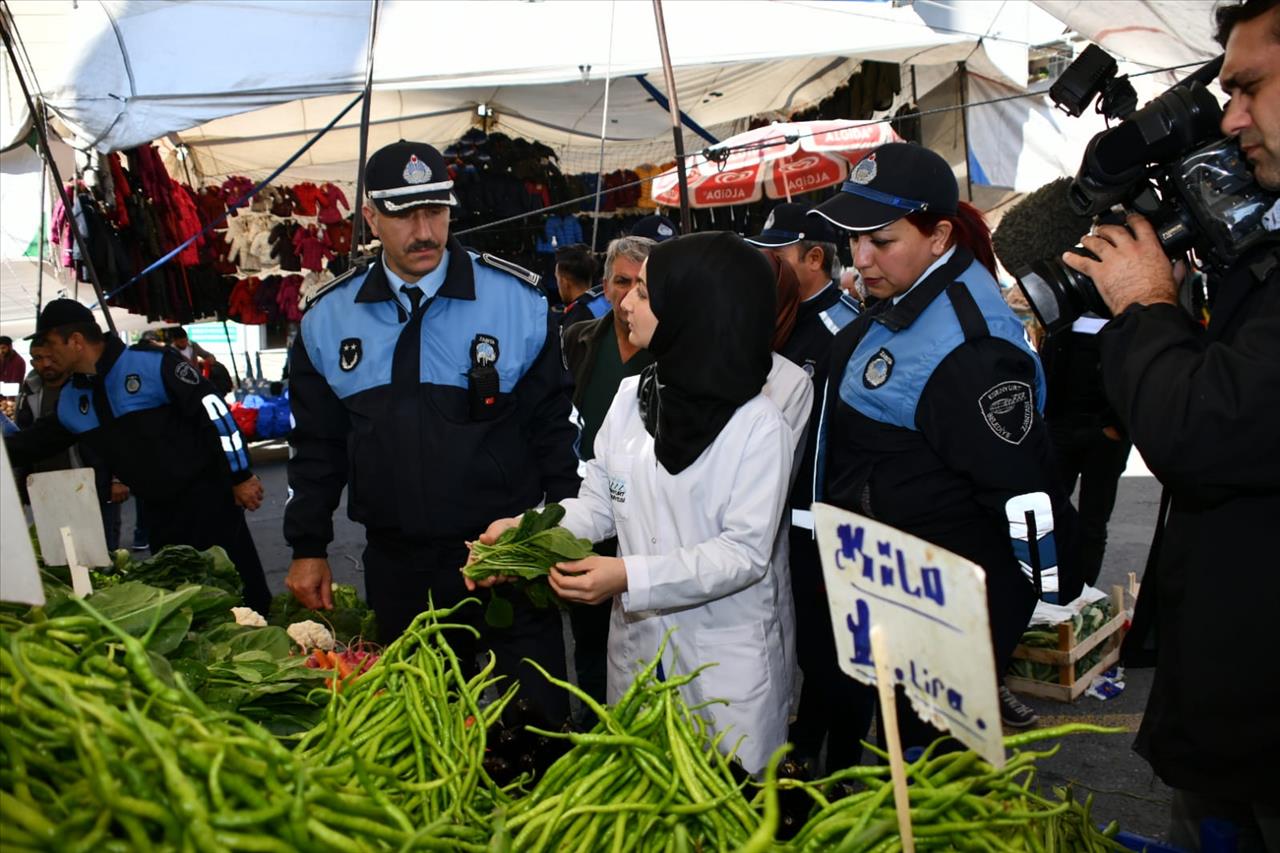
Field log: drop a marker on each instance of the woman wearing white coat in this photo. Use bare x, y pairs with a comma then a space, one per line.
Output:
691, 473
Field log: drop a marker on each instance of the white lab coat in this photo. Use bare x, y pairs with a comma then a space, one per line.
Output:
701, 556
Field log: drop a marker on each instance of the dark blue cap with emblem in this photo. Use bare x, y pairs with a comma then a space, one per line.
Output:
655, 227
787, 224
404, 175
889, 183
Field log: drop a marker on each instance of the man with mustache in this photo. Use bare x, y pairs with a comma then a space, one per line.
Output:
1200, 405
429, 383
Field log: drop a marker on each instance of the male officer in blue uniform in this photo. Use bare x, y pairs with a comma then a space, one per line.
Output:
807, 245
163, 430
430, 384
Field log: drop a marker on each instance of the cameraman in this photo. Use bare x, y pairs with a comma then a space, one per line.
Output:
1203, 407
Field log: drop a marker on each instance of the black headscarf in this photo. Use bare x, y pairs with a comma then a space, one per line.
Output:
714, 297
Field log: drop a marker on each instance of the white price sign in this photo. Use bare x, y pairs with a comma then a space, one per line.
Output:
931, 608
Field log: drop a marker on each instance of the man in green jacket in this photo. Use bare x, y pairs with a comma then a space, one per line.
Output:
599, 355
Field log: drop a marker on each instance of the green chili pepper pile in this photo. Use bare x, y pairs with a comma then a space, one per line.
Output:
648, 776
104, 747
413, 731
958, 802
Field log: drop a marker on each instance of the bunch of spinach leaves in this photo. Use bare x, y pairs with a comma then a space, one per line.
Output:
526, 552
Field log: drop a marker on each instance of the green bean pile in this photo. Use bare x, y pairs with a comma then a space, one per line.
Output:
413, 726
958, 802
647, 777
99, 752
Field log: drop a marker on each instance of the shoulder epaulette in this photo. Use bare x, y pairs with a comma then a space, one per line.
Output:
311, 297
850, 303
529, 277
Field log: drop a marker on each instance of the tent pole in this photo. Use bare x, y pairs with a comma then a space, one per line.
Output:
44, 179
226, 330
604, 127
357, 224
686, 224
67, 201
964, 124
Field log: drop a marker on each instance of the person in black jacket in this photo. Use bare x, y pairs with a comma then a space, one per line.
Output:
429, 383
163, 430
1088, 438
575, 277
599, 355
831, 704
933, 415
1201, 406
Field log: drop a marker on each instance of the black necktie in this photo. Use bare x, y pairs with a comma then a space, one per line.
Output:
415, 296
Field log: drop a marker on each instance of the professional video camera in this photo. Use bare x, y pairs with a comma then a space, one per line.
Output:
1167, 161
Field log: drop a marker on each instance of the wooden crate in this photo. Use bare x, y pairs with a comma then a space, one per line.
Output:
1069, 686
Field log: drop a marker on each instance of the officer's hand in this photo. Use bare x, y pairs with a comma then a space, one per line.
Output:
589, 581
490, 536
119, 492
1131, 267
311, 582
248, 494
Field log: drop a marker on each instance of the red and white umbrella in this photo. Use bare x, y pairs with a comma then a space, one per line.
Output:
780, 161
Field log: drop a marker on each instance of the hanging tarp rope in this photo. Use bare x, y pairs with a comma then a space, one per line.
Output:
604, 128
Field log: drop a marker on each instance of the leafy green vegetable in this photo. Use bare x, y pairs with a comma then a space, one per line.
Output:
527, 552
350, 619
175, 565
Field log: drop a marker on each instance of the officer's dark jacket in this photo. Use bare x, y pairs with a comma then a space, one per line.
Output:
589, 306
1203, 407
931, 424
809, 347
158, 424
382, 405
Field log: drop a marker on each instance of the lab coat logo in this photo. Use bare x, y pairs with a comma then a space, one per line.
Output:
617, 489
484, 350
1008, 409
132, 383
865, 171
416, 171
349, 353
878, 369
186, 373
84, 405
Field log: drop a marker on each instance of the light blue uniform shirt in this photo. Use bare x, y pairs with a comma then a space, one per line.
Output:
429, 283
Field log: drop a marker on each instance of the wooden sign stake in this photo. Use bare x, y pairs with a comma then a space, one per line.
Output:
80, 583
889, 713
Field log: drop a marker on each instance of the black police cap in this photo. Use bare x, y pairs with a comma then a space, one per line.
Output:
58, 313
655, 227
404, 175
889, 183
788, 224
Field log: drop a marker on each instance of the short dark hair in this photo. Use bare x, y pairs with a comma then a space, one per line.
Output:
91, 332
577, 262
830, 258
6, 340
178, 332
1227, 16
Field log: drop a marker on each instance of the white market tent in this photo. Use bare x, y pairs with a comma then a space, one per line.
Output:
244, 83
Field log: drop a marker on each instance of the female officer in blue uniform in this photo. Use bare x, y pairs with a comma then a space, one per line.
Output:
932, 417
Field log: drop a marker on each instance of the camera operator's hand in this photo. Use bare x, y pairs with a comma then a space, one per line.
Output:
1131, 266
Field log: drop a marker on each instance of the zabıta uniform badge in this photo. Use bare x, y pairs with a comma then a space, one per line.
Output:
416, 171
878, 370
865, 171
350, 351
132, 383
1008, 409
484, 350
84, 405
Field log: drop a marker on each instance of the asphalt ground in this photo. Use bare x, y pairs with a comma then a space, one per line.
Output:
1122, 783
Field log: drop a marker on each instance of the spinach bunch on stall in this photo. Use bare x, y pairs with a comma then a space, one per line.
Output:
175, 565
526, 552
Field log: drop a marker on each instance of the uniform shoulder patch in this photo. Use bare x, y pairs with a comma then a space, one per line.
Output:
311, 297
529, 277
1008, 409
850, 303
